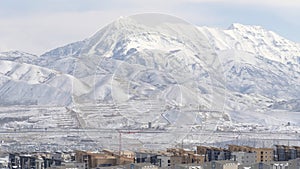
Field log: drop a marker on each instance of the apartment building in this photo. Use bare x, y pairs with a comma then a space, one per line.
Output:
244, 157
93, 160
262, 154
285, 153
213, 153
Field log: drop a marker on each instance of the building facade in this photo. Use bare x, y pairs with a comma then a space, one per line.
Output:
213, 153
285, 153
262, 154
244, 157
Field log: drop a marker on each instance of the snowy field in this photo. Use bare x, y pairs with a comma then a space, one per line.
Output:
59, 128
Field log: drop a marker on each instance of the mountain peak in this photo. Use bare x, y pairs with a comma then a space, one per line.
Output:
149, 22
138, 30
238, 26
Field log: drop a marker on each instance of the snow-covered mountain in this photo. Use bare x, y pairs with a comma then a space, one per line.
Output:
153, 67
18, 56
261, 68
26, 84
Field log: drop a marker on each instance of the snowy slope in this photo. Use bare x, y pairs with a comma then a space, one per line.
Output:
255, 40
160, 55
260, 66
25, 84
153, 67
18, 56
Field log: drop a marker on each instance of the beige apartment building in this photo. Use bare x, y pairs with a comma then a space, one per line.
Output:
262, 154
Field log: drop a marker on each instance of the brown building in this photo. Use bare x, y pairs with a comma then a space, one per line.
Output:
126, 157
93, 160
184, 156
236, 148
176, 160
262, 154
197, 159
102, 159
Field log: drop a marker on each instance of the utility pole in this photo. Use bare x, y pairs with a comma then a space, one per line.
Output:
120, 142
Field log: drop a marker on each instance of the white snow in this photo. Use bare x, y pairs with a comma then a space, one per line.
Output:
159, 69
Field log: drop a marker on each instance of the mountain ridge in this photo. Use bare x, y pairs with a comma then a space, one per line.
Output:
237, 71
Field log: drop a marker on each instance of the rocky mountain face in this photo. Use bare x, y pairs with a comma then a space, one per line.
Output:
161, 66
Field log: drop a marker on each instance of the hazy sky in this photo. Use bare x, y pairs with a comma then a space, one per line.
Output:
36, 26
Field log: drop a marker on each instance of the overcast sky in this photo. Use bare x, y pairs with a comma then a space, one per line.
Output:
36, 26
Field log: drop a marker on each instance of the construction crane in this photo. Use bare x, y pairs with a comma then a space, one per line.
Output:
120, 137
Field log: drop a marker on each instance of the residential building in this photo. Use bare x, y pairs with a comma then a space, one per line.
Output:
197, 158
244, 157
175, 159
39, 163
255, 166
133, 166
103, 159
4, 162
123, 157
280, 165
27, 162
146, 157
262, 154
13, 161
50, 161
164, 160
213, 153
224, 164
188, 166
69, 165
93, 160
294, 164
237, 148
285, 153
184, 156
143, 166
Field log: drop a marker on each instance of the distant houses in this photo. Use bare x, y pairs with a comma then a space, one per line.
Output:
203, 157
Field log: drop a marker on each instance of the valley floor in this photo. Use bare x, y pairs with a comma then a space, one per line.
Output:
60, 128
